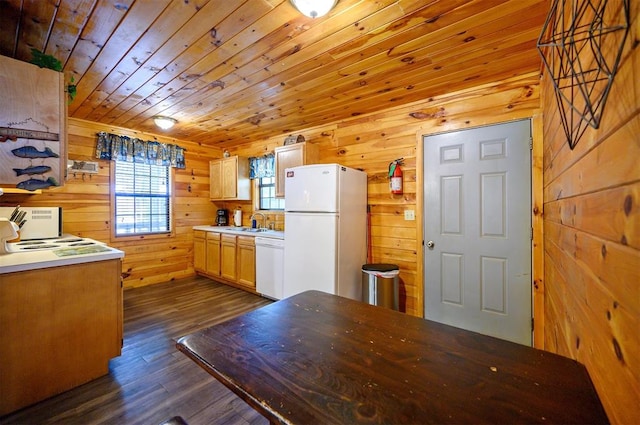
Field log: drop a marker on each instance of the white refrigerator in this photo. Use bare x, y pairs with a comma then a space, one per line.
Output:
325, 223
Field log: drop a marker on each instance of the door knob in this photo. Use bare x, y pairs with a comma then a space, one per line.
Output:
430, 244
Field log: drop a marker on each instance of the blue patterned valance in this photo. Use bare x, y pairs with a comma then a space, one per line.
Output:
127, 149
262, 166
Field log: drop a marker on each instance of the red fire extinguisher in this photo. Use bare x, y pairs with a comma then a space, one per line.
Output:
395, 177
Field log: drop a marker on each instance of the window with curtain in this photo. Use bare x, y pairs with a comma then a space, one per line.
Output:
267, 194
142, 199
262, 169
142, 175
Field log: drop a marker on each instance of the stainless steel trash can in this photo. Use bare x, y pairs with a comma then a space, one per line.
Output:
380, 285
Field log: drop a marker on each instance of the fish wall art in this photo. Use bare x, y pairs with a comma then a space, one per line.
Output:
38, 169
25, 156
35, 184
33, 130
32, 152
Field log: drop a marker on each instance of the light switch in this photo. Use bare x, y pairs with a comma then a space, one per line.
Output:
409, 215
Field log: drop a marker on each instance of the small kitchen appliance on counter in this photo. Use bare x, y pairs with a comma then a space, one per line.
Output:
39, 222
222, 217
237, 217
8, 231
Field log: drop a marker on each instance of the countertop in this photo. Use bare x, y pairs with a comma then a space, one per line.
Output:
242, 231
23, 261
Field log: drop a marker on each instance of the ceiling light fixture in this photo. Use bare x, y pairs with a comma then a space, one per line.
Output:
314, 8
164, 123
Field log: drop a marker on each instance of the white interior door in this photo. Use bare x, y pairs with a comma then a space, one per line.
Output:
477, 256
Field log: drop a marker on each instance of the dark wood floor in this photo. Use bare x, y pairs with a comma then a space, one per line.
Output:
152, 381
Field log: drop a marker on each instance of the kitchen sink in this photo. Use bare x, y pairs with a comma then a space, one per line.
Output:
268, 233
253, 230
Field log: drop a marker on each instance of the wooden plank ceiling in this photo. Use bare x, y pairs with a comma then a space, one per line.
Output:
232, 71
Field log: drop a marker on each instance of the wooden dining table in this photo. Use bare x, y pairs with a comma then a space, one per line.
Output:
316, 358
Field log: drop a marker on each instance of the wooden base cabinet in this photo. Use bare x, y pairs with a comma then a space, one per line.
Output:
213, 254
200, 250
206, 252
227, 257
246, 260
59, 327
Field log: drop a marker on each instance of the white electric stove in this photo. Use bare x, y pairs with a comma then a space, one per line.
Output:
66, 241
66, 250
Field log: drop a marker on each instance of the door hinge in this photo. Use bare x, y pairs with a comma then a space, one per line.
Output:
532, 325
530, 143
532, 233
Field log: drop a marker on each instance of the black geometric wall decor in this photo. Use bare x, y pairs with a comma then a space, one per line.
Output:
581, 44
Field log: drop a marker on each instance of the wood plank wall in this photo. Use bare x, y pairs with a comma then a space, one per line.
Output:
592, 240
371, 142
86, 206
591, 221
368, 142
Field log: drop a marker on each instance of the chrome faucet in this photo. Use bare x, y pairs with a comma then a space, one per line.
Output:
264, 219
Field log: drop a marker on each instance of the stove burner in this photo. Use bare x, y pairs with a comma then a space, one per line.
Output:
70, 240
66, 243
81, 243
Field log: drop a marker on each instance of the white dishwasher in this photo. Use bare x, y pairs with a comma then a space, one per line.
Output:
269, 267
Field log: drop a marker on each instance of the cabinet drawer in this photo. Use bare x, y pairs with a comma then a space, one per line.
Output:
246, 240
211, 236
228, 238
200, 234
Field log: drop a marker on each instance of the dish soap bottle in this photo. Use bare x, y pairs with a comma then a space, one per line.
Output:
237, 217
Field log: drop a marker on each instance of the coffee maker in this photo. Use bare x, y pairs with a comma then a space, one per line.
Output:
222, 217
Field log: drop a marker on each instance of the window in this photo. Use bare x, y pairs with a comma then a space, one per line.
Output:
267, 192
142, 199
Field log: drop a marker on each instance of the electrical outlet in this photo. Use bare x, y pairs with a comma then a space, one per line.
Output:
409, 215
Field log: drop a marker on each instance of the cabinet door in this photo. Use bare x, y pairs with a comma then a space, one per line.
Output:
34, 111
215, 179
213, 254
246, 262
228, 258
229, 178
293, 156
56, 333
199, 250
286, 157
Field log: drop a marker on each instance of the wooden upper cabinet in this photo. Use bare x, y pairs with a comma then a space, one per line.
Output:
293, 156
33, 118
215, 179
229, 179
